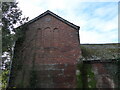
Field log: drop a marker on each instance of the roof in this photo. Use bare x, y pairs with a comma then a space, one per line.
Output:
102, 51
56, 16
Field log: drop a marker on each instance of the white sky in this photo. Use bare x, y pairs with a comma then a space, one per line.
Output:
98, 21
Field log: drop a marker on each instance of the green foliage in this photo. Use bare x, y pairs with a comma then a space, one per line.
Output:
79, 77
91, 77
20, 34
11, 15
86, 78
87, 52
4, 78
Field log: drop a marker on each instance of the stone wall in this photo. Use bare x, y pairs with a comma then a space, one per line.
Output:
98, 74
101, 64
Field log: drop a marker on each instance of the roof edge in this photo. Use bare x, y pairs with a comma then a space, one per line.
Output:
53, 14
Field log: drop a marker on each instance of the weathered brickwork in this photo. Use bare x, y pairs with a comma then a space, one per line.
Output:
103, 77
49, 55
101, 73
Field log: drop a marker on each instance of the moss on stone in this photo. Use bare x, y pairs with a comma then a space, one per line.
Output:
79, 77
91, 77
86, 78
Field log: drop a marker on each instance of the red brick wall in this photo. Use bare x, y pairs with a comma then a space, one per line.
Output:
51, 49
53, 39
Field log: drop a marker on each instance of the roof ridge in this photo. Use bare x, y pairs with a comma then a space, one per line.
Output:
56, 16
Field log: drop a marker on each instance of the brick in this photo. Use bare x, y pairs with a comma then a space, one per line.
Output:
51, 48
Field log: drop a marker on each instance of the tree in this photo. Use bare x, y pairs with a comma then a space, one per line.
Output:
11, 16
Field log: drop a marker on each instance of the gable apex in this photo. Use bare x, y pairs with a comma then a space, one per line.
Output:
56, 16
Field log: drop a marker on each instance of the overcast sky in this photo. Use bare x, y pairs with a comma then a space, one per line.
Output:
98, 21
